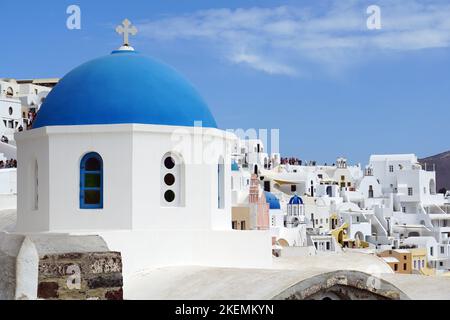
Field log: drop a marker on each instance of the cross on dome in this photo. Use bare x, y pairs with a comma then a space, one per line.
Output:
127, 29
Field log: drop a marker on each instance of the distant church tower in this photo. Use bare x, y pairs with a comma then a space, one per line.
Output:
259, 208
295, 212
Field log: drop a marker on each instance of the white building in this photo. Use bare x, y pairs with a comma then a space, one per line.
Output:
403, 176
10, 108
19, 101
133, 167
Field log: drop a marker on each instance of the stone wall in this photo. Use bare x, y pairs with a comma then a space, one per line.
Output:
87, 275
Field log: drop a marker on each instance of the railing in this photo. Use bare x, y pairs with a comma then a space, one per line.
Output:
426, 167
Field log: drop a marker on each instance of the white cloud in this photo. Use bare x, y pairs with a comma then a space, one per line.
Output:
278, 40
261, 64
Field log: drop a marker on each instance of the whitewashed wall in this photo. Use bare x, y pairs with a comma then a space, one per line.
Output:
132, 182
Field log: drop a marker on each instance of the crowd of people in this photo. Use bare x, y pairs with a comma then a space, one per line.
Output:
297, 162
291, 161
12, 163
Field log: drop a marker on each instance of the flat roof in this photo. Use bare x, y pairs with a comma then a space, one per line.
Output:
393, 157
402, 250
48, 82
390, 259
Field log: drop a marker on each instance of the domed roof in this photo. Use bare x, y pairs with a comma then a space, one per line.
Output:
296, 200
272, 200
123, 87
234, 166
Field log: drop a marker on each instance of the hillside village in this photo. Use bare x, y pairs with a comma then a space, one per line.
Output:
89, 188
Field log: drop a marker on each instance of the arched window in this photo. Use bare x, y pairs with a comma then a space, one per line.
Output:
172, 180
91, 181
329, 191
221, 184
9, 92
36, 186
370, 192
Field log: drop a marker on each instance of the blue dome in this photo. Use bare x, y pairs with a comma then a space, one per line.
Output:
296, 200
272, 200
123, 87
234, 166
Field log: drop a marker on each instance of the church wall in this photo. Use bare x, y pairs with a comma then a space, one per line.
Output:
221, 217
200, 209
66, 151
148, 212
143, 249
234, 248
31, 150
132, 180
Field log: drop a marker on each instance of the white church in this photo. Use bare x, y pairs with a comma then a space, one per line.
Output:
125, 148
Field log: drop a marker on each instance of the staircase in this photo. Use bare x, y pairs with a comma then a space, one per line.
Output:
381, 230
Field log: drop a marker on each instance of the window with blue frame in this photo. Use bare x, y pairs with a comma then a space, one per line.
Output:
91, 181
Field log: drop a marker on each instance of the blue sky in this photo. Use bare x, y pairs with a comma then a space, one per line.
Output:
332, 87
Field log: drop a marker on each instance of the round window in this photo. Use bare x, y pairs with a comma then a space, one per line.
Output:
169, 196
169, 179
10, 110
169, 163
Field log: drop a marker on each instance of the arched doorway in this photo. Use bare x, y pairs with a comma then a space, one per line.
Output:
432, 186
342, 285
341, 237
370, 191
359, 236
329, 191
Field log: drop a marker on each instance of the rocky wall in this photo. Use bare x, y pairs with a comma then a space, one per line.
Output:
87, 275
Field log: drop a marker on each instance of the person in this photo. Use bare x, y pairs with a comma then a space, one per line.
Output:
10, 163
2, 164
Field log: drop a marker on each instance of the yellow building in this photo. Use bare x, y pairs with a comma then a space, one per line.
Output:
392, 262
420, 262
240, 218
403, 257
